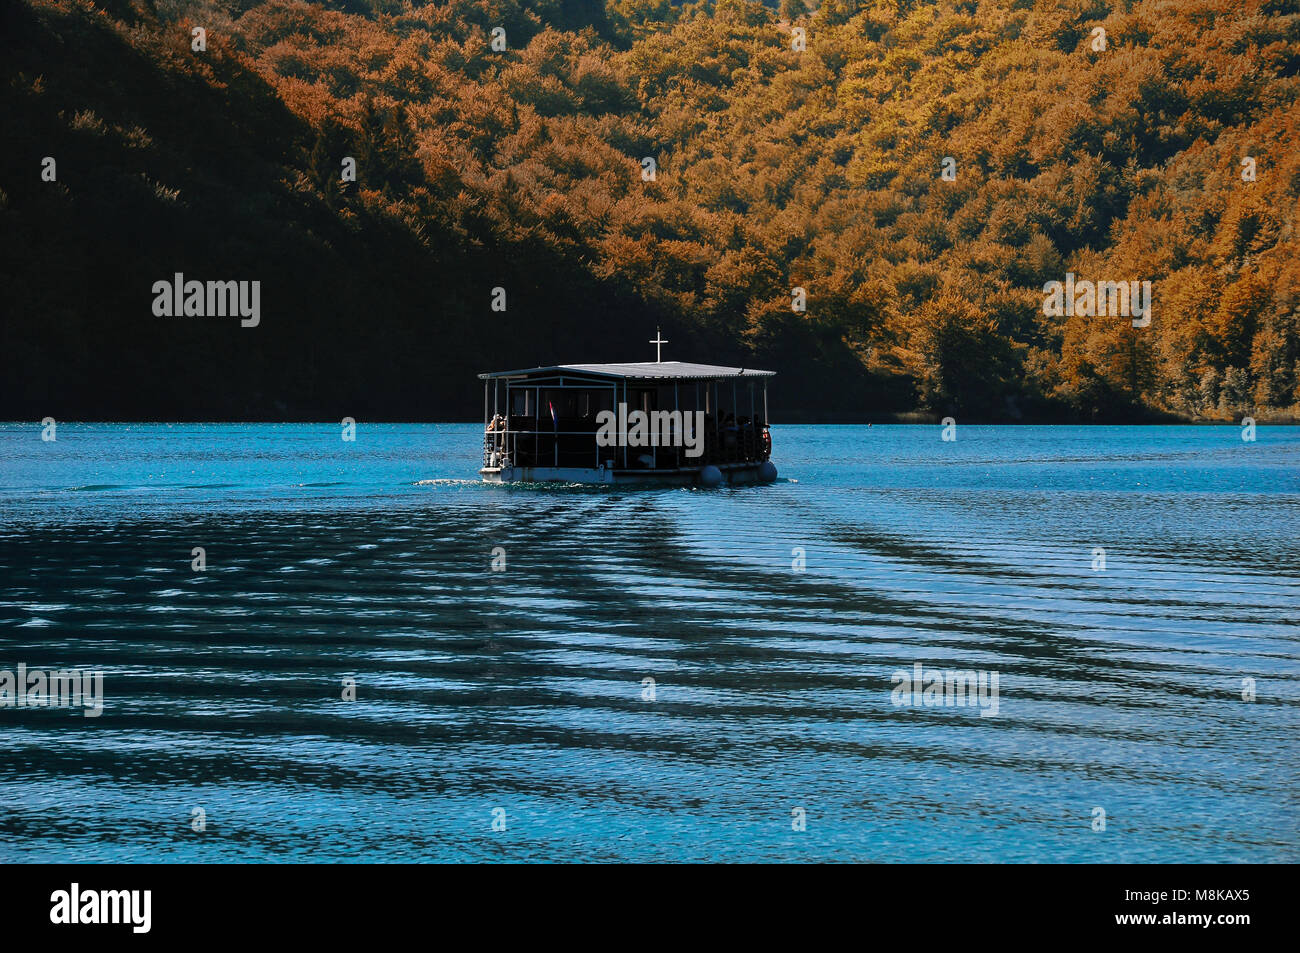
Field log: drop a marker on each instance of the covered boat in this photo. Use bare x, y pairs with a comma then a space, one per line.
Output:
661, 422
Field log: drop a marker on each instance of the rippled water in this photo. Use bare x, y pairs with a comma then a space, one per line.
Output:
522, 690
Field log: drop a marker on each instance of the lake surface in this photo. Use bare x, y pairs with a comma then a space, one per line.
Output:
772, 620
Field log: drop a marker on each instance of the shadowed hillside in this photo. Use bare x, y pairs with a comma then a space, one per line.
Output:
781, 161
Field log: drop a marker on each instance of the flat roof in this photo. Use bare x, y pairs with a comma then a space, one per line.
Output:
650, 370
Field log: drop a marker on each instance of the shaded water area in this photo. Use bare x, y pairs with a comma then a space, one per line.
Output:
772, 620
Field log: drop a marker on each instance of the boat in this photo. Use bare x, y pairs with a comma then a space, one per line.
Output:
664, 422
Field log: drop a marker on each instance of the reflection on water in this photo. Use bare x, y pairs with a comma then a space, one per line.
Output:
771, 620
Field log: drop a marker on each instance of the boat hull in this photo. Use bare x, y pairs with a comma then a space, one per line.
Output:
735, 474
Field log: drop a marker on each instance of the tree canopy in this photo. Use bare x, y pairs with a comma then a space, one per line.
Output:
920, 168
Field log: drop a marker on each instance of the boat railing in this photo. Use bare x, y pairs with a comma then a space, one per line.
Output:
549, 447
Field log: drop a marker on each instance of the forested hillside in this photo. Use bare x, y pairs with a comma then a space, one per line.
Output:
782, 159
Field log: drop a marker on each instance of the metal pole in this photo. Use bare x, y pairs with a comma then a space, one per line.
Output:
613, 403
717, 420
753, 424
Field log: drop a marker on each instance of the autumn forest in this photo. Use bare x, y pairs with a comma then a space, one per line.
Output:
869, 198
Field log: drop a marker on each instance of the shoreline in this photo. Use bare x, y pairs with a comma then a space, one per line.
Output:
911, 418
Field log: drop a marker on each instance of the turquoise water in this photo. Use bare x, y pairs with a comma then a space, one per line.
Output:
770, 618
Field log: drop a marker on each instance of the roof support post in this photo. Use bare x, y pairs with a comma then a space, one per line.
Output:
681, 426
753, 424
717, 422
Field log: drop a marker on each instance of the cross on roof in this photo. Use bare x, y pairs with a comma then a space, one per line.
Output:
658, 342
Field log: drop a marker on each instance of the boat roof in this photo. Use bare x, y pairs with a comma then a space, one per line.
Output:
650, 370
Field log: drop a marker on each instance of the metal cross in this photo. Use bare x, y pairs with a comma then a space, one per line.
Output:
658, 342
